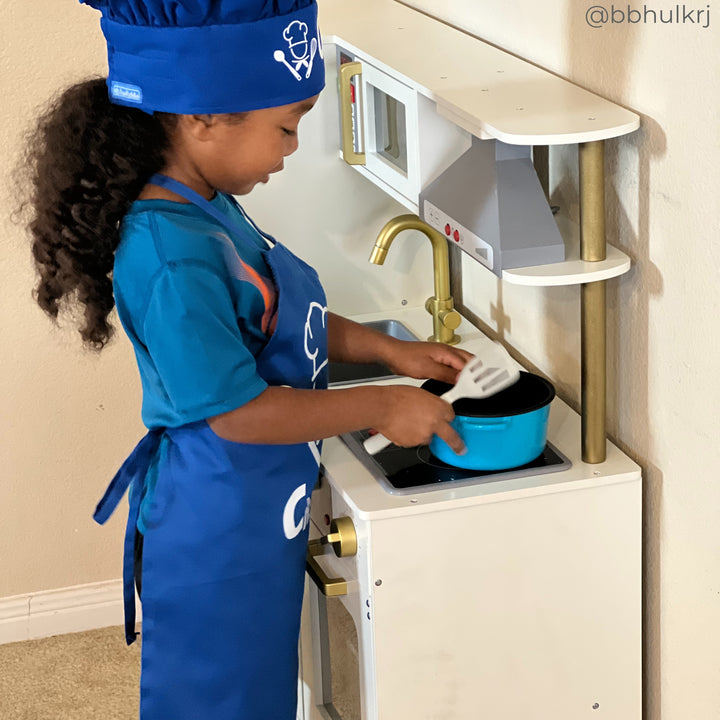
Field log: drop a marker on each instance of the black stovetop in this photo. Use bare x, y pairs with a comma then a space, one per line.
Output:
412, 470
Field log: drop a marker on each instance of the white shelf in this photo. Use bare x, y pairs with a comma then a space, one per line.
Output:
484, 90
571, 272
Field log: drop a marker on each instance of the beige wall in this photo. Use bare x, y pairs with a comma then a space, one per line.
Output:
663, 195
68, 418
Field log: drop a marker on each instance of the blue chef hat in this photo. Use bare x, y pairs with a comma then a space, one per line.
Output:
211, 56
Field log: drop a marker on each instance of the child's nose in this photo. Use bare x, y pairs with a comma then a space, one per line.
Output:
291, 145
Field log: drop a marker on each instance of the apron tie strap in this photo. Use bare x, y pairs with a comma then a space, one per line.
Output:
184, 191
132, 474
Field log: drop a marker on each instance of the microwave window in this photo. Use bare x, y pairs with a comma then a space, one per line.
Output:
390, 133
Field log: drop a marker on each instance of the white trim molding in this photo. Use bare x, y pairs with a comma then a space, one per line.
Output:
61, 611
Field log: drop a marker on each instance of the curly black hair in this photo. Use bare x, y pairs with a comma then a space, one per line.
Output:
85, 162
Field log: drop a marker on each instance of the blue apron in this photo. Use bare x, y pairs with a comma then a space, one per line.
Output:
226, 535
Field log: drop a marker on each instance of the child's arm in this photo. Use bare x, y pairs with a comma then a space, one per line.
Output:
281, 415
349, 341
407, 415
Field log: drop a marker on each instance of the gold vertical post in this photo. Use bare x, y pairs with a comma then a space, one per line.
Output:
593, 302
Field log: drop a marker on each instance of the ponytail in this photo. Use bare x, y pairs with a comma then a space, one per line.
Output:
87, 160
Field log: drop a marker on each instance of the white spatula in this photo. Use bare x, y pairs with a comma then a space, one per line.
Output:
481, 377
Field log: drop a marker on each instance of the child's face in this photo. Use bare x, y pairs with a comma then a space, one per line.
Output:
233, 154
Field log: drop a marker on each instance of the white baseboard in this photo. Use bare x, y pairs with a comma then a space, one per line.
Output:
61, 611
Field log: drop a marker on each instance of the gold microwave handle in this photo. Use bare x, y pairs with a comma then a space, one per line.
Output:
343, 539
347, 72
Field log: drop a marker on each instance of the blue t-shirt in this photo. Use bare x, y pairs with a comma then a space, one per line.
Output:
198, 305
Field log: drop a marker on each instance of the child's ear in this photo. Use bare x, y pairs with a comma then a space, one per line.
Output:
200, 127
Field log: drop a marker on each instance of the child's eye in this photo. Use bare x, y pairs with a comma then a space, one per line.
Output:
291, 133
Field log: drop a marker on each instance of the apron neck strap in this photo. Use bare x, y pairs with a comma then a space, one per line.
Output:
196, 199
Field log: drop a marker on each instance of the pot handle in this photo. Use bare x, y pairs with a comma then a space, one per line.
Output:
375, 443
487, 423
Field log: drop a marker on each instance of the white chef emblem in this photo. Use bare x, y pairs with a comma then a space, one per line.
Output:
315, 318
300, 55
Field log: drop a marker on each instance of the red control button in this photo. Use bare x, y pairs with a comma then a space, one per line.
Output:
448, 229
456, 236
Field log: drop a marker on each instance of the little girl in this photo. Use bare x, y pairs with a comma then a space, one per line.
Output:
134, 178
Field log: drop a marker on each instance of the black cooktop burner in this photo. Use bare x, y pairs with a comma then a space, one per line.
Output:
405, 470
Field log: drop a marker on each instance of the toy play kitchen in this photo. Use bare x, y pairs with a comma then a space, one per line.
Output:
508, 589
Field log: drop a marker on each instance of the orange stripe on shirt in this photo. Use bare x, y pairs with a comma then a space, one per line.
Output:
269, 296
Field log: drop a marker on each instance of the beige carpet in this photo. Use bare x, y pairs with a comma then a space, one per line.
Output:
84, 676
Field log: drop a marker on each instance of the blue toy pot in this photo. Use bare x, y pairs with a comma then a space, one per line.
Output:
504, 431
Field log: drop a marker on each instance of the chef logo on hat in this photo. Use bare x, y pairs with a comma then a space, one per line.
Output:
301, 56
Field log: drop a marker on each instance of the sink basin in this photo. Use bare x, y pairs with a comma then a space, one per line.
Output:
393, 328
346, 373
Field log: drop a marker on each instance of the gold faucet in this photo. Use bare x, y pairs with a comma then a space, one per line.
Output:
445, 318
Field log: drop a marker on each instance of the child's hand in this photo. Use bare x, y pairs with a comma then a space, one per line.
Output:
427, 360
413, 416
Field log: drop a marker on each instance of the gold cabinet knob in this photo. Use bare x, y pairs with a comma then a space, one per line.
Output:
451, 319
342, 537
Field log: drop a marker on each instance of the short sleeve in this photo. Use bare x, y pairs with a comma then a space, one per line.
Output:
192, 336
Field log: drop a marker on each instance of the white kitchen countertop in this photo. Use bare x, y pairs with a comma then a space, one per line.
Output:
360, 489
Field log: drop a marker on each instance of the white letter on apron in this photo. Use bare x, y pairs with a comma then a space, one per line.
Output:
291, 529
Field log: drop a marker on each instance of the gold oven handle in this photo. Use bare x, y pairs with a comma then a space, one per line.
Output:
343, 539
347, 72
332, 587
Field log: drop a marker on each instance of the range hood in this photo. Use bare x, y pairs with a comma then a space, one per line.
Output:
490, 203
